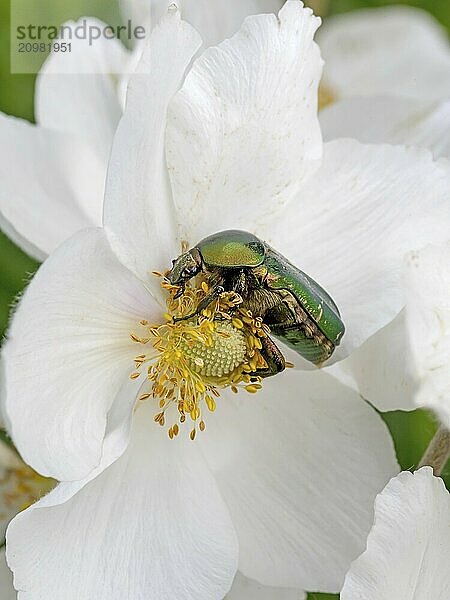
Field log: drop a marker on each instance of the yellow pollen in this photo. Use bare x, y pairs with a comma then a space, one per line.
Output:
189, 360
226, 352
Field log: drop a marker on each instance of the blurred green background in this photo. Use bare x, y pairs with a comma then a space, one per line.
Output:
411, 431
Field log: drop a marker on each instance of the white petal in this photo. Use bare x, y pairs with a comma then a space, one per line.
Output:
69, 353
394, 50
385, 119
428, 323
355, 220
381, 369
214, 19
151, 527
408, 549
76, 91
52, 186
385, 369
138, 205
247, 589
243, 132
6, 585
299, 465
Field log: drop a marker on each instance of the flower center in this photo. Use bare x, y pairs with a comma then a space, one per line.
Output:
225, 351
196, 353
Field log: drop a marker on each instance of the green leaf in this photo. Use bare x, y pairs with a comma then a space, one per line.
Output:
15, 270
412, 432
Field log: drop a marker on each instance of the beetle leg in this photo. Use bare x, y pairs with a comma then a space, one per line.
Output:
273, 357
179, 293
280, 315
213, 295
291, 323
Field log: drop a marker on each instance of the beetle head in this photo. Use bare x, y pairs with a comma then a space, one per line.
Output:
185, 267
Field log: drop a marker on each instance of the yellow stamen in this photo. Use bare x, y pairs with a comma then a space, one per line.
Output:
190, 360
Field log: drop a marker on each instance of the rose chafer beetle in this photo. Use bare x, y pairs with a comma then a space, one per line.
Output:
298, 311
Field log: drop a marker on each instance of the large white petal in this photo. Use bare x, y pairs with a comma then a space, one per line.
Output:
138, 204
6, 585
247, 589
52, 186
381, 369
77, 92
394, 50
214, 19
299, 465
150, 527
69, 353
243, 133
386, 119
408, 549
428, 323
355, 220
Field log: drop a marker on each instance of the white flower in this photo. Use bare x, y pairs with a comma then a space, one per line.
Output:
53, 173
165, 518
409, 108
386, 78
396, 50
408, 549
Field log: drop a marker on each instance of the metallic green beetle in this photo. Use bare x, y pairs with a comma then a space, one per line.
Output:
298, 311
